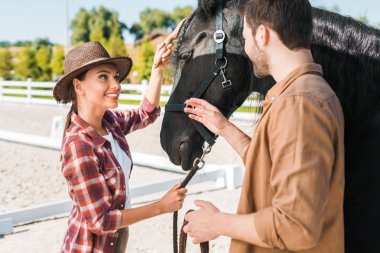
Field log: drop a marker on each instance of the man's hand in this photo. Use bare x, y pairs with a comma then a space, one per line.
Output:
202, 224
207, 114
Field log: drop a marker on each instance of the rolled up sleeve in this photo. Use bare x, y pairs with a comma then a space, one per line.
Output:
89, 188
131, 120
302, 155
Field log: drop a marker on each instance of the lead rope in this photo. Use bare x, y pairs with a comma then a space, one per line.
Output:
183, 239
198, 164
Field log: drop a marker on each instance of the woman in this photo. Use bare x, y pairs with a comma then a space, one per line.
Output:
96, 161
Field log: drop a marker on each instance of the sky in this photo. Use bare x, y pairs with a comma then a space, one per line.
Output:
31, 19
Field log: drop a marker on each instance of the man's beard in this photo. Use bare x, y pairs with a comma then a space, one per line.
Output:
260, 62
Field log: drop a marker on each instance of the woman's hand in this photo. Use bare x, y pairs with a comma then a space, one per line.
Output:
161, 59
173, 199
170, 202
164, 49
162, 56
207, 114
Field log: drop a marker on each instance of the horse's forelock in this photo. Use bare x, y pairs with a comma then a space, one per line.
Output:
208, 7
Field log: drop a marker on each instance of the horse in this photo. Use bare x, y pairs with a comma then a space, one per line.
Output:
349, 52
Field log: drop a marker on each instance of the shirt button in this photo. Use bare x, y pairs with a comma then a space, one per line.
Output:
122, 205
124, 187
111, 243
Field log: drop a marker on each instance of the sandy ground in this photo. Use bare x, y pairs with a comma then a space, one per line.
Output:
30, 176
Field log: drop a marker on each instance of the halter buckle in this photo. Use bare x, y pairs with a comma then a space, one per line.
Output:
226, 84
219, 36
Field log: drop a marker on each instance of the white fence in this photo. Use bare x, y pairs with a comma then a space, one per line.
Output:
30, 92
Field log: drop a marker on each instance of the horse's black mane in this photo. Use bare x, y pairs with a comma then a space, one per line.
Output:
349, 52
346, 34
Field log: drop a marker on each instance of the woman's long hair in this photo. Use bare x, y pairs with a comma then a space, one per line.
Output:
74, 105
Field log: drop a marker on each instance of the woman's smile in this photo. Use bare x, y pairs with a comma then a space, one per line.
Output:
113, 95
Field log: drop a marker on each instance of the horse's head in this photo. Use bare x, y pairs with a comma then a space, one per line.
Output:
193, 60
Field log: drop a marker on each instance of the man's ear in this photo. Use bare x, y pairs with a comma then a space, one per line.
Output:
78, 86
262, 36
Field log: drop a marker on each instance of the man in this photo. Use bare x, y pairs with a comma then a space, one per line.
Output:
292, 194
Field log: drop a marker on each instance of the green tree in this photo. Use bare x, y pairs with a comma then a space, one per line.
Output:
26, 67
151, 19
23, 43
180, 13
42, 42
43, 59
6, 65
115, 46
137, 31
97, 35
5, 44
80, 27
144, 60
57, 61
97, 24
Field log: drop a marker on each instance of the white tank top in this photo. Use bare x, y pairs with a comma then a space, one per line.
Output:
125, 163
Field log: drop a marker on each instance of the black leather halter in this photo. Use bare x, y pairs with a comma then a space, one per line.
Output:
219, 68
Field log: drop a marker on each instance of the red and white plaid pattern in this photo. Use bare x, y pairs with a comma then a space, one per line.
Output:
95, 179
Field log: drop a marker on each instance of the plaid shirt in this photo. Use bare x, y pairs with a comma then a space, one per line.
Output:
95, 179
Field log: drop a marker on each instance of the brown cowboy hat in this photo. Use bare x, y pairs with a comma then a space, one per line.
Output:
82, 58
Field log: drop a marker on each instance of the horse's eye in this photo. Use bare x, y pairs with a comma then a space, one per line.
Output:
185, 55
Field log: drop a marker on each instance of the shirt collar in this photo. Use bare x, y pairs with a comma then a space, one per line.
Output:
281, 86
88, 130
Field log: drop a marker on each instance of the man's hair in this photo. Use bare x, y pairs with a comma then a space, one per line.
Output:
291, 19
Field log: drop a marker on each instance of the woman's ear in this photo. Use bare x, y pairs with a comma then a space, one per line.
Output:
78, 86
